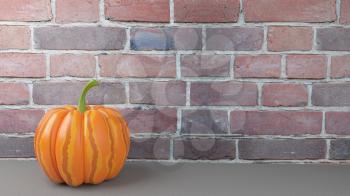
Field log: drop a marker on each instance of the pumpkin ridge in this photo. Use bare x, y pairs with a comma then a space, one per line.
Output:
110, 160
94, 149
65, 153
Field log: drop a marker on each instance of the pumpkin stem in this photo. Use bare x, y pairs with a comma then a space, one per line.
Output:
82, 99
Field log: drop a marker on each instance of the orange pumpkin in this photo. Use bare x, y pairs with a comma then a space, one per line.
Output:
82, 145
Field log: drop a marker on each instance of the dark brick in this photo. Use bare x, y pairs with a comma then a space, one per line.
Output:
158, 93
59, 93
336, 94
276, 122
340, 149
166, 38
19, 121
282, 149
79, 38
205, 65
151, 120
204, 122
334, 39
204, 149
224, 93
13, 147
149, 148
236, 38
338, 123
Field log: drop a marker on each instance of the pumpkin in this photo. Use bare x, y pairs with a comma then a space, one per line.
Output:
82, 145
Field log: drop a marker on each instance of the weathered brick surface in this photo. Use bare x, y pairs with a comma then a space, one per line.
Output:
306, 66
126, 65
338, 123
278, 94
192, 76
333, 39
345, 12
282, 149
340, 149
224, 93
340, 66
276, 122
158, 93
12, 147
286, 38
206, 11
257, 66
161, 120
236, 38
79, 38
149, 148
207, 149
139, 11
77, 11
14, 94
25, 10
19, 121
204, 122
289, 10
14, 37
73, 65
205, 65
331, 94
59, 93
22, 65
166, 38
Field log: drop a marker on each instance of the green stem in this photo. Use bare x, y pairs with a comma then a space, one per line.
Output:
82, 99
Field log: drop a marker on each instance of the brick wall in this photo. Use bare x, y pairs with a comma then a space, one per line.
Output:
230, 80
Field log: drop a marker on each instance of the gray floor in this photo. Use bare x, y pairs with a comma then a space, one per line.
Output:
190, 179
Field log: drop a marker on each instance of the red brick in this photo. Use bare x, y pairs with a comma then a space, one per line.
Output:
14, 37
285, 38
331, 94
224, 93
306, 66
345, 12
260, 66
206, 11
25, 10
163, 120
60, 93
158, 93
235, 39
338, 123
149, 148
276, 122
14, 94
205, 65
340, 66
22, 65
284, 95
19, 121
139, 11
127, 65
77, 11
73, 65
204, 148
282, 149
289, 10
204, 122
